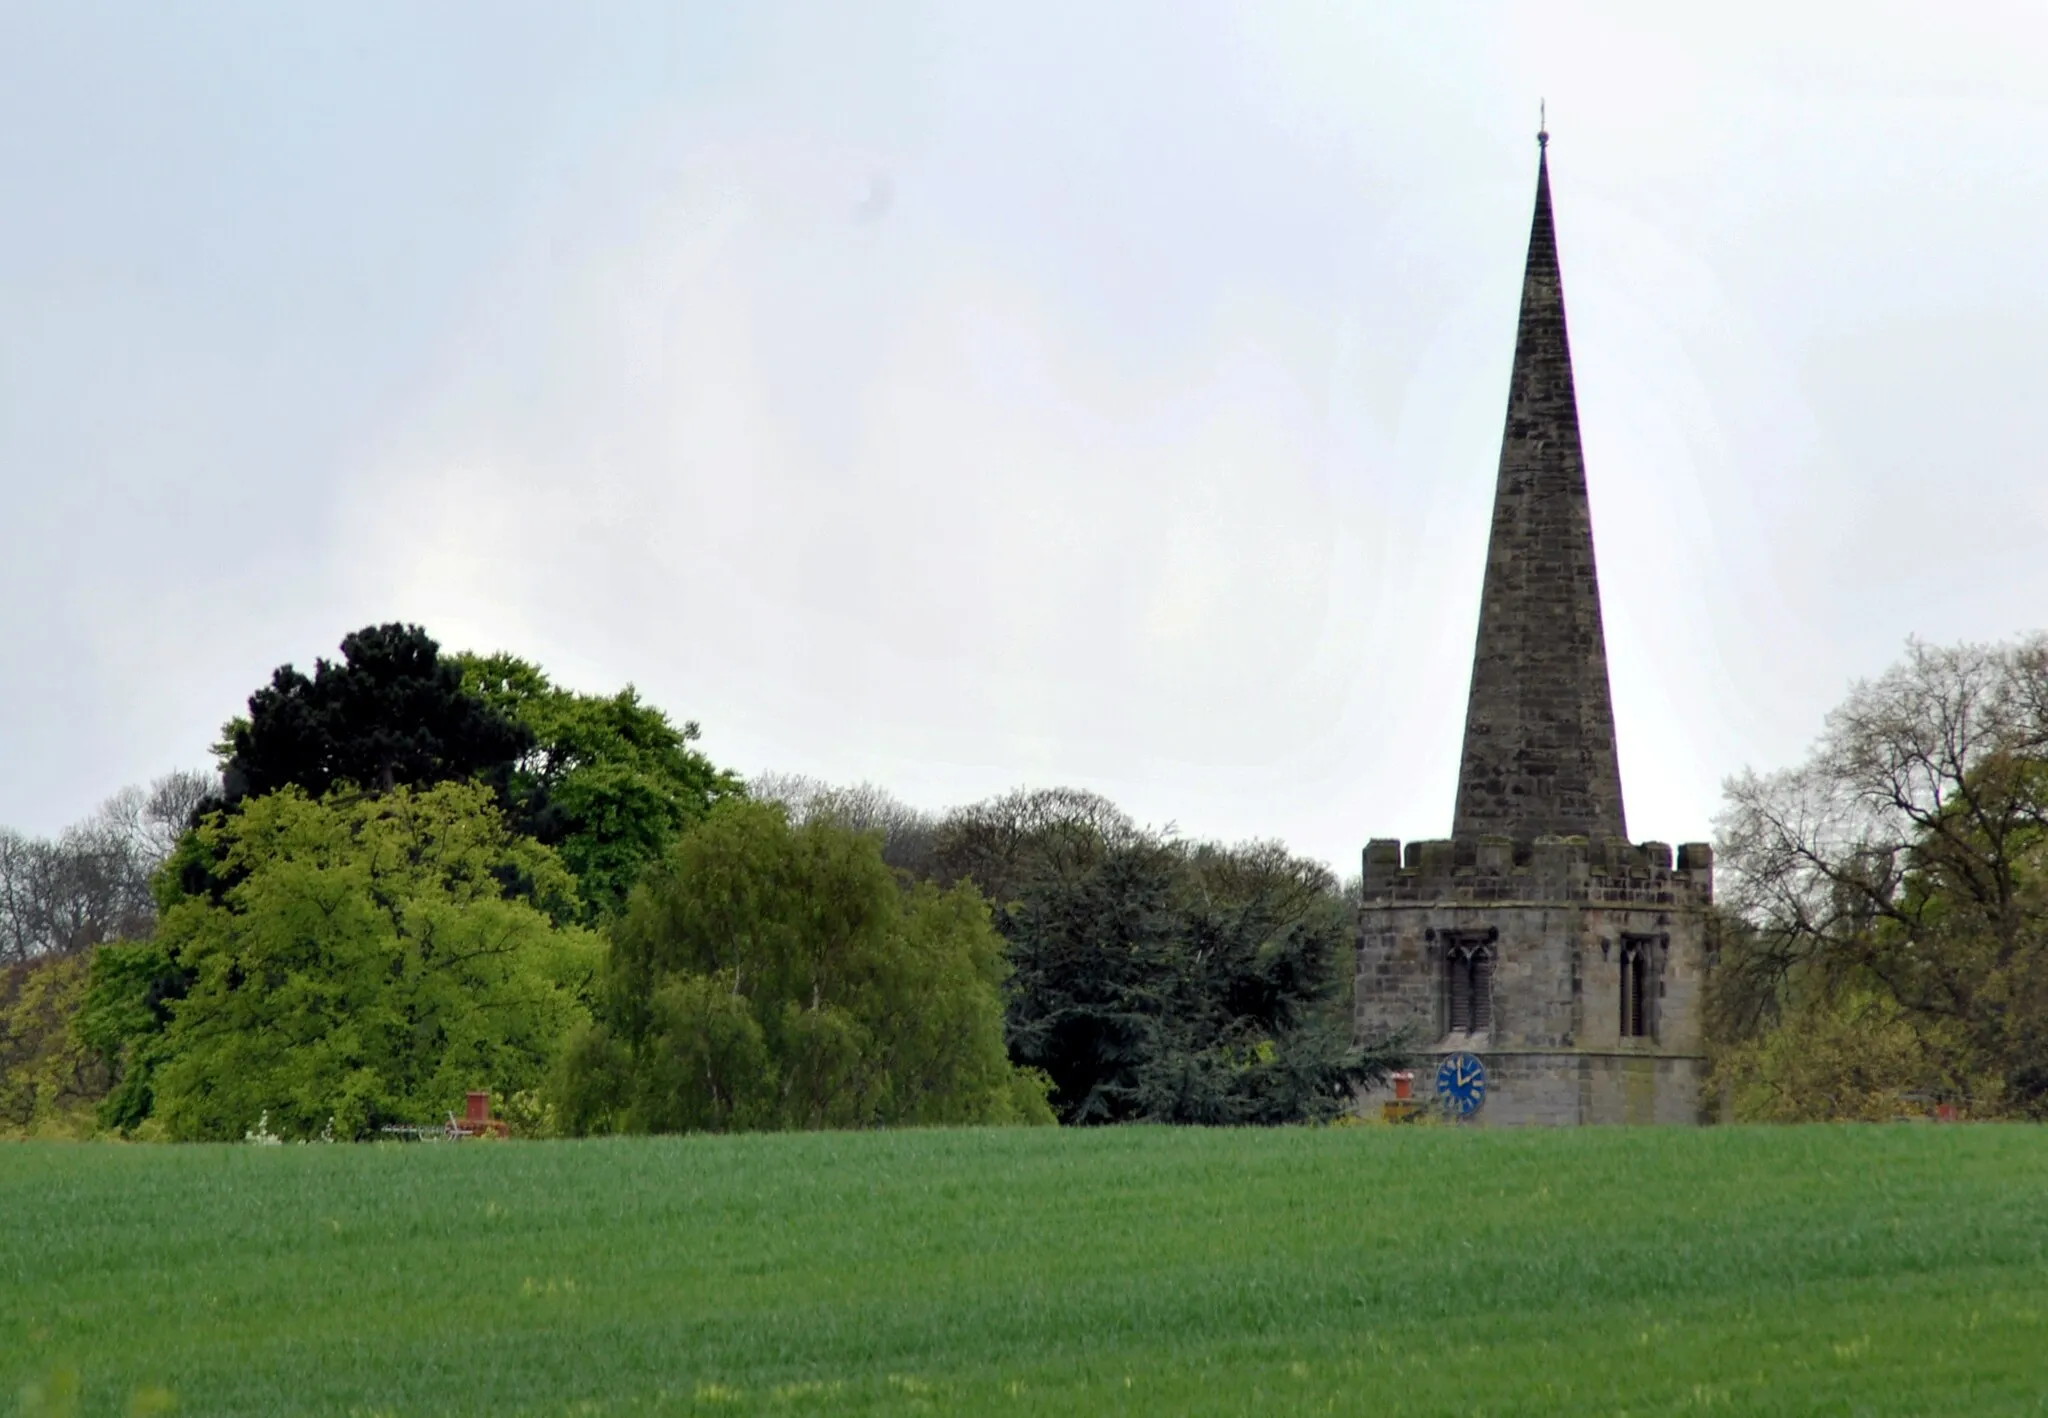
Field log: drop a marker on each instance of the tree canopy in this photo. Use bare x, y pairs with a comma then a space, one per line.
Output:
366, 966
423, 873
392, 712
770, 976
50, 1080
1899, 879
607, 780
1165, 981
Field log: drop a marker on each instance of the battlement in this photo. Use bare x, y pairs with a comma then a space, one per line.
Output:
1560, 869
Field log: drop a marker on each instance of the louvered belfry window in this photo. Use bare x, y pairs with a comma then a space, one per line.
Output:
1635, 991
1468, 983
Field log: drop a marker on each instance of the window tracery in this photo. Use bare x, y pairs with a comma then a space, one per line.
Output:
1468, 987
1635, 989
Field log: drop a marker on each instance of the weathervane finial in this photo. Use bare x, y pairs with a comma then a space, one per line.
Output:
1542, 127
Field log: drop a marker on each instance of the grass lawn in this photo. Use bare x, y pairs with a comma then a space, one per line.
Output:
1370, 1270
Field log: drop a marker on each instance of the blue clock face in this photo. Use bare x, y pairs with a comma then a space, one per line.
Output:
1461, 1083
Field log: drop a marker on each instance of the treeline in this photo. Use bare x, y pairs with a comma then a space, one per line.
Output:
414, 874
1154, 978
417, 874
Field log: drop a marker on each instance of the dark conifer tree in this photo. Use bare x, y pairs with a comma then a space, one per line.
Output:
391, 712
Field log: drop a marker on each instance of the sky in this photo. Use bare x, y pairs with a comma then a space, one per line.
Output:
960, 397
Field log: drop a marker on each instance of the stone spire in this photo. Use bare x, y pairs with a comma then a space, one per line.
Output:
1539, 727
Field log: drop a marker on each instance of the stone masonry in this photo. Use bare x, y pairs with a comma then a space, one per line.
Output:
1539, 727
1560, 913
1593, 949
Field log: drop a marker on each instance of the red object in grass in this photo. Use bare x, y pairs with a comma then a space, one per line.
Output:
477, 1119
1404, 1085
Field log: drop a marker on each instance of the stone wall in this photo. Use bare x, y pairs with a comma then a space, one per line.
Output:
1557, 915
1579, 1089
1546, 869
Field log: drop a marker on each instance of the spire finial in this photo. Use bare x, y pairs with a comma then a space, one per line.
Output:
1542, 128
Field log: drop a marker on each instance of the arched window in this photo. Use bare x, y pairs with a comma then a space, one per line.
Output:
1635, 990
1468, 985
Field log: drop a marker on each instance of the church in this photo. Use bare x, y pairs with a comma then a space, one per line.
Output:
1545, 969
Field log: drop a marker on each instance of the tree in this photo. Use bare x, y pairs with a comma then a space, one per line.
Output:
124, 1018
154, 819
1161, 980
1904, 867
909, 836
367, 965
1006, 844
607, 780
770, 976
49, 1079
66, 896
1843, 1055
91, 884
392, 713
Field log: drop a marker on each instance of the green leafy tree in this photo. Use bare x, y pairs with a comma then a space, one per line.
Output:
609, 781
1831, 1056
1157, 980
50, 1081
366, 965
392, 712
124, 1018
770, 976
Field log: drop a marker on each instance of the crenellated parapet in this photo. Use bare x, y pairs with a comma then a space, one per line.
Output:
1550, 870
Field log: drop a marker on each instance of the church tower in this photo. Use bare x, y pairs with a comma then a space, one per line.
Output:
1546, 969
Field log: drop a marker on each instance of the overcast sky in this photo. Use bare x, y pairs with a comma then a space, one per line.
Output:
966, 396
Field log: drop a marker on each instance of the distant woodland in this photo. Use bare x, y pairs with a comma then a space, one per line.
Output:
412, 874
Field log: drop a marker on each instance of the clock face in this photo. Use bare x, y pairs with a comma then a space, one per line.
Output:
1461, 1083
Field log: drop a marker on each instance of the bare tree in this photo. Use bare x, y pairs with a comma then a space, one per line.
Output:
64, 896
1000, 843
996, 843
1909, 854
907, 833
22, 873
156, 817
91, 884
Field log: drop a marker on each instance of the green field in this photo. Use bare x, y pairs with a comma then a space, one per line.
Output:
1366, 1270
